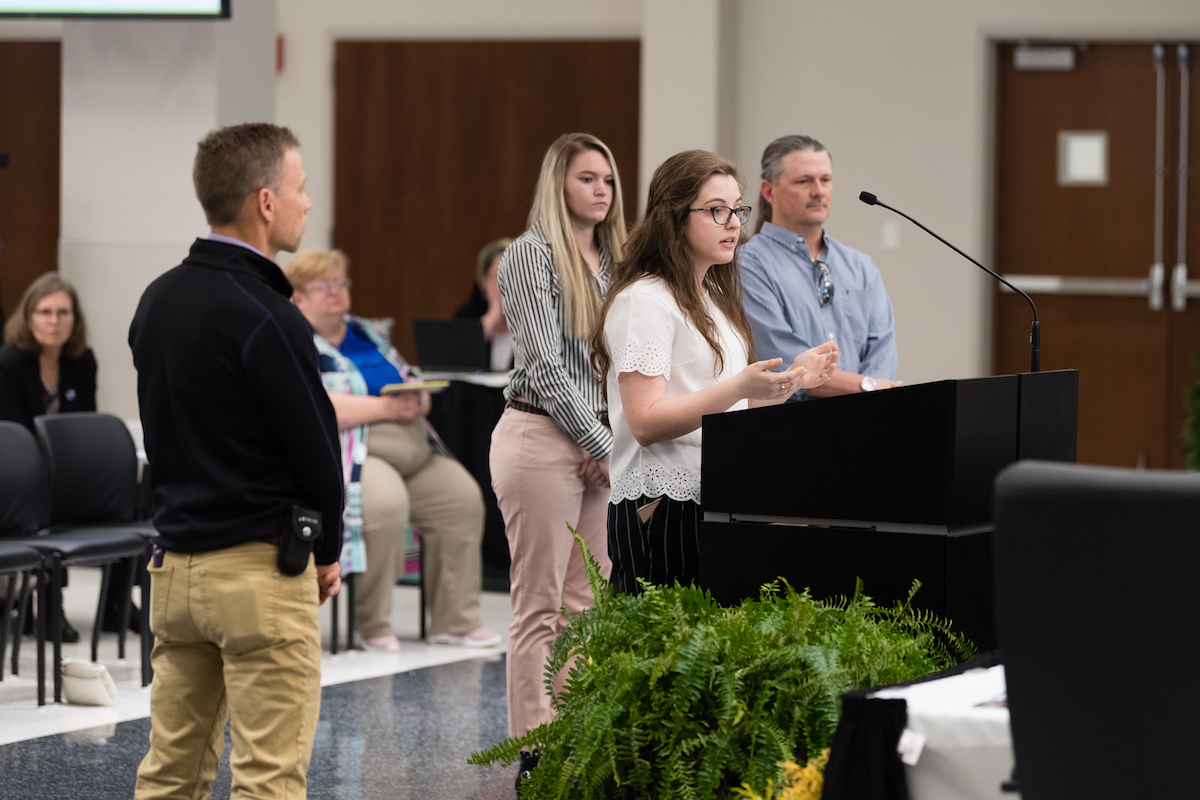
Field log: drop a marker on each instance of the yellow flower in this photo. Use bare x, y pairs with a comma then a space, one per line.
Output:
799, 783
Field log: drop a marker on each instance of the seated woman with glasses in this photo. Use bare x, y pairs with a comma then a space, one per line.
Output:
46, 367
673, 344
45, 364
396, 469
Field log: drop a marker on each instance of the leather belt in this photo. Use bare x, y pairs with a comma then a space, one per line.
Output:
530, 408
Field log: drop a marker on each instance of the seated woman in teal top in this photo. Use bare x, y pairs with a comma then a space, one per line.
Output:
376, 370
396, 469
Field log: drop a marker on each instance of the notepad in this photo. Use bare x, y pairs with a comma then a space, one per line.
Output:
413, 386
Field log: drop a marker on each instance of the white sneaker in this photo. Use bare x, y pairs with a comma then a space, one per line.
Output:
480, 637
381, 644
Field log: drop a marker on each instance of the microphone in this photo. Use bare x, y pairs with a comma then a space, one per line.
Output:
1035, 332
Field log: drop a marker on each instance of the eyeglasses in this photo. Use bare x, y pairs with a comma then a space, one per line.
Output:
49, 313
825, 289
722, 214
330, 286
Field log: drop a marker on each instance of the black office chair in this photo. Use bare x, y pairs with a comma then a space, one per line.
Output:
1095, 604
91, 522
21, 565
22, 502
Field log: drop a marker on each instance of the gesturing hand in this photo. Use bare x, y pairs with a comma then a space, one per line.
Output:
759, 383
819, 363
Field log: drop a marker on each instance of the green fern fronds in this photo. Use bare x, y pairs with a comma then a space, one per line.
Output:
668, 695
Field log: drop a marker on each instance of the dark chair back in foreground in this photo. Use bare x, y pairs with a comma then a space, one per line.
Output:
93, 464
23, 482
1095, 604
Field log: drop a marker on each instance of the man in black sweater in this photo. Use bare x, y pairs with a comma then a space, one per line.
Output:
240, 434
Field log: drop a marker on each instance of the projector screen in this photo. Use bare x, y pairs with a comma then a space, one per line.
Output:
125, 9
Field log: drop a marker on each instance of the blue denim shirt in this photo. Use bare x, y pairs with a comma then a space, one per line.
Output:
781, 295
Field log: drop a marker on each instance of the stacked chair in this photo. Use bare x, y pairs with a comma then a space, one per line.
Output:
22, 495
88, 466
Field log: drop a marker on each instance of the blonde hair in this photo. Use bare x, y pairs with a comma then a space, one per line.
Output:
490, 252
309, 265
581, 299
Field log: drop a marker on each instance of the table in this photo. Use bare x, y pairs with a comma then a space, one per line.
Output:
464, 415
968, 749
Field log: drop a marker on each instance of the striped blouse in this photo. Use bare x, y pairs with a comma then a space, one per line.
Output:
551, 368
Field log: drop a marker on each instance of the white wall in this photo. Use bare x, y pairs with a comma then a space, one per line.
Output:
310, 28
137, 96
901, 95
900, 92
681, 81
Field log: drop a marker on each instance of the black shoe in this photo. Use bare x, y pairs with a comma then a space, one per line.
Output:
528, 762
69, 634
112, 616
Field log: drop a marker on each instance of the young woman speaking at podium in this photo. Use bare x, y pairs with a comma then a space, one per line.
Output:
673, 344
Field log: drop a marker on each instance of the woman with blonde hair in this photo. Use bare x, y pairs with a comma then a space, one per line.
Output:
395, 468
673, 344
549, 457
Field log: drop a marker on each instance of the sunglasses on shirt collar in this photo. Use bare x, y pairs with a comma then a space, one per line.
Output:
825, 288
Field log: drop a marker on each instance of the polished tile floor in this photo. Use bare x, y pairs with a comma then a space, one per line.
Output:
392, 726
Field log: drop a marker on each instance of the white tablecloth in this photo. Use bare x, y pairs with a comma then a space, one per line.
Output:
495, 380
968, 747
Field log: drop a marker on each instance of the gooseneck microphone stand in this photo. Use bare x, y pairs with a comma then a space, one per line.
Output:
1035, 332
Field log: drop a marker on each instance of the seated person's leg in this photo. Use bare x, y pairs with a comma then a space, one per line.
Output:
447, 508
385, 506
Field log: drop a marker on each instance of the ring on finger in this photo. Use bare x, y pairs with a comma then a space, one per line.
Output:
783, 387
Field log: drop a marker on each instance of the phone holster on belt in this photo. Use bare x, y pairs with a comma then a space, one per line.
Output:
296, 542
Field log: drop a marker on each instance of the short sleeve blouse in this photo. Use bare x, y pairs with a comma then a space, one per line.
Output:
646, 332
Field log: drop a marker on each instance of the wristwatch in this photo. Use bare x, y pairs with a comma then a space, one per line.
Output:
868, 383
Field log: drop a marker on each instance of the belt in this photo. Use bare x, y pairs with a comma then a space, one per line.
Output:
530, 408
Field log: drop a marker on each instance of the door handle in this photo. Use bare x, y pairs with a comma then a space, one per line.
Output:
1181, 287
1150, 287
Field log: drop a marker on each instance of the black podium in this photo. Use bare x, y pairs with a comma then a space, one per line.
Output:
885, 486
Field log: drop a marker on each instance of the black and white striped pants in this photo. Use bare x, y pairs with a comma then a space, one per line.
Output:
663, 550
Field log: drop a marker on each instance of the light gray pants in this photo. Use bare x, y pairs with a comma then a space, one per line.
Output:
403, 479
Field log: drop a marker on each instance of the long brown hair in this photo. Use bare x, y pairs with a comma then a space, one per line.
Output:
658, 247
17, 329
581, 299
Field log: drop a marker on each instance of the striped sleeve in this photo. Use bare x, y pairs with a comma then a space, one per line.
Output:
552, 370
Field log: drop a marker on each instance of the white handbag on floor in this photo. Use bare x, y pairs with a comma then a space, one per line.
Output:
87, 684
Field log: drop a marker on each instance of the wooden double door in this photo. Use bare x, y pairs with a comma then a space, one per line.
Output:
438, 149
1094, 213
30, 100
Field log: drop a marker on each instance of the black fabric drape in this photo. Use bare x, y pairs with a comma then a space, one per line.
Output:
863, 762
464, 416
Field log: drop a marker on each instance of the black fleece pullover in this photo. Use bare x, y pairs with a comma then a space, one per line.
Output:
238, 427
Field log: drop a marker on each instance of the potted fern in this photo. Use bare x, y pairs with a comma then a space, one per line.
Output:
669, 695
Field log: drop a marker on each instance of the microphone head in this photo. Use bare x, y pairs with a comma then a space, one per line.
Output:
868, 198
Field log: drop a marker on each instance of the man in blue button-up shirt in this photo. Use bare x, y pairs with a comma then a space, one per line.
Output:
803, 287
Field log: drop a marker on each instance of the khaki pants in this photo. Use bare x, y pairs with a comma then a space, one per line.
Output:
236, 640
535, 472
403, 478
